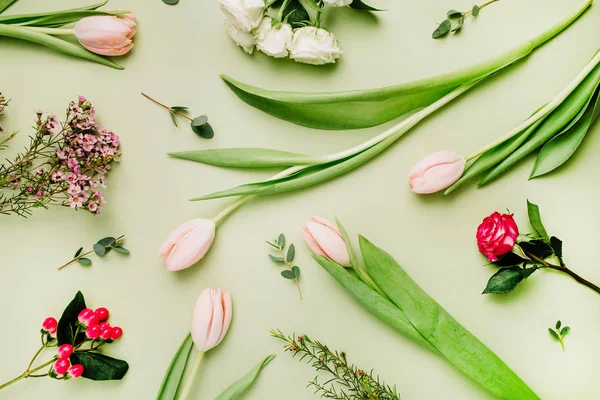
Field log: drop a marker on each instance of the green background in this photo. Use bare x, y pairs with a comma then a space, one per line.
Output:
179, 53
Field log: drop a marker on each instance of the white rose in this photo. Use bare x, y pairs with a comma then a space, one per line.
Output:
243, 39
338, 3
245, 14
273, 41
315, 46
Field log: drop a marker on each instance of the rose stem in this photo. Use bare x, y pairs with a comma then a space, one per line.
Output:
563, 268
167, 107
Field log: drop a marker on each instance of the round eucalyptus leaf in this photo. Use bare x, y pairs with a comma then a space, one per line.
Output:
99, 249
203, 130
170, 2
199, 121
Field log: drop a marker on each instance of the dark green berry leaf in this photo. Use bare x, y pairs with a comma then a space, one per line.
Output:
276, 259
556, 244
536, 221
67, 325
454, 14
565, 331
99, 249
287, 274
121, 250
78, 253
558, 324
475, 10
296, 271
291, 253
281, 241
107, 241
553, 333
86, 262
442, 30
99, 367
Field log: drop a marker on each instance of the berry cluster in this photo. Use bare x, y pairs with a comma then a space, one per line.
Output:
96, 327
62, 368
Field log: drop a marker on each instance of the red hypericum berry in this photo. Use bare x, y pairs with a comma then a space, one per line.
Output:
65, 351
106, 332
93, 320
84, 316
93, 332
116, 333
49, 325
61, 366
102, 313
76, 370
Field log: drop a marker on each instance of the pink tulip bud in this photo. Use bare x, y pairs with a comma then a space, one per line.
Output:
325, 239
436, 172
106, 35
188, 244
211, 319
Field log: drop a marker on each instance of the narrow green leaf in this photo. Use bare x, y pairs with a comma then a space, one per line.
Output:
86, 262
565, 331
558, 324
442, 30
535, 220
181, 109
66, 17
20, 18
276, 259
4, 4
440, 329
313, 4
291, 253
78, 252
173, 117
504, 281
287, 274
554, 333
121, 250
239, 387
360, 5
245, 157
296, 271
475, 10
173, 377
54, 43
281, 241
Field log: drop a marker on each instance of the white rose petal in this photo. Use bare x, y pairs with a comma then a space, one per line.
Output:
242, 38
338, 3
314, 46
245, 14
273, 41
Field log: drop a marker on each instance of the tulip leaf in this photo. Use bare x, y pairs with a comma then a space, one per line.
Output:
459, 346
562, 147
4, 4
21, 18
67, 17
174, 375
54, 43
245, 157
360, 5
239, 387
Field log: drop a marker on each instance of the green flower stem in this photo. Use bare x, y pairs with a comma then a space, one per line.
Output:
52, 31
190, 381
544, 111
28, 372
282, 9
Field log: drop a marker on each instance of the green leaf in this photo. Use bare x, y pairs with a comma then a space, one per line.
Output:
173, 117
296, 14
313, 4
291, 253
459, 346
442, 30
181, 109
20, 18
99, 249
508, 260
86, 262
554, 333
276, 259
78, 252
4, 4
121, 250
454, 14
360, 5
107, 241
67, 325
245, 157
202, 128
558, 324
287, 274
281, 241
239, 387
475, 10
556, 244
564, 331
538, 247
54, 43
459, 24
296, 271
536, 221
170, 2
99, 367
563, 146
504, 281
62, 18
174, 375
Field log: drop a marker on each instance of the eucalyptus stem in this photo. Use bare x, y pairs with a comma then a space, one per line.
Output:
167, 107
110, 246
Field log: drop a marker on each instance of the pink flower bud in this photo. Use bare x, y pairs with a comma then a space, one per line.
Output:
436, 172
49, 325
61, 366
65, 351
211, 318
106, 35
188, 244
76, 370
325, 239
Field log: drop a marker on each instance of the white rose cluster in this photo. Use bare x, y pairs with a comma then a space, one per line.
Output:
250, 27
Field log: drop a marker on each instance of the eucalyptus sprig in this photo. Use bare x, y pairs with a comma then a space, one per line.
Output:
559, 333
199, 124
287, 258
456, 20
100, 248
346, 381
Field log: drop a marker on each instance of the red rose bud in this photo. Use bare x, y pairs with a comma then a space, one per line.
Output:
93, 332
65, 351
101, 313
49, 325
116, 333
75, 371
497, 235
61, 366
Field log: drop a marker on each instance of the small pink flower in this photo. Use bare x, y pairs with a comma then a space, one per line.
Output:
93, 207
58, 176
82, 99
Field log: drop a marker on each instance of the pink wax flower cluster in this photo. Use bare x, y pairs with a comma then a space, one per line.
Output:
3, 104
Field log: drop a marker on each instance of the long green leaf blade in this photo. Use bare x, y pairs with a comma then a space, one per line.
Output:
239, 387
4, 4
67, 17
54, 43
366, 108
377, 305
173, 376
245, 157
436, 325
19, 18
562, 147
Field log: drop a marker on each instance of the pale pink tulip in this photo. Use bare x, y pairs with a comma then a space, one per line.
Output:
188, 244
436, 172
325, 239
211, 319
106, 35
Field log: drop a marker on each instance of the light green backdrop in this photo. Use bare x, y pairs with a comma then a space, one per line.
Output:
178, 55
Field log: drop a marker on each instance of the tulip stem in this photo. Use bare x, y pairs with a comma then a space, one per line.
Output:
52, 31
190, 381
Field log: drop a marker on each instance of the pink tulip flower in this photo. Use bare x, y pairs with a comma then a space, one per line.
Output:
106, 35
188, 244
436, 172
211, 319
325, 239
